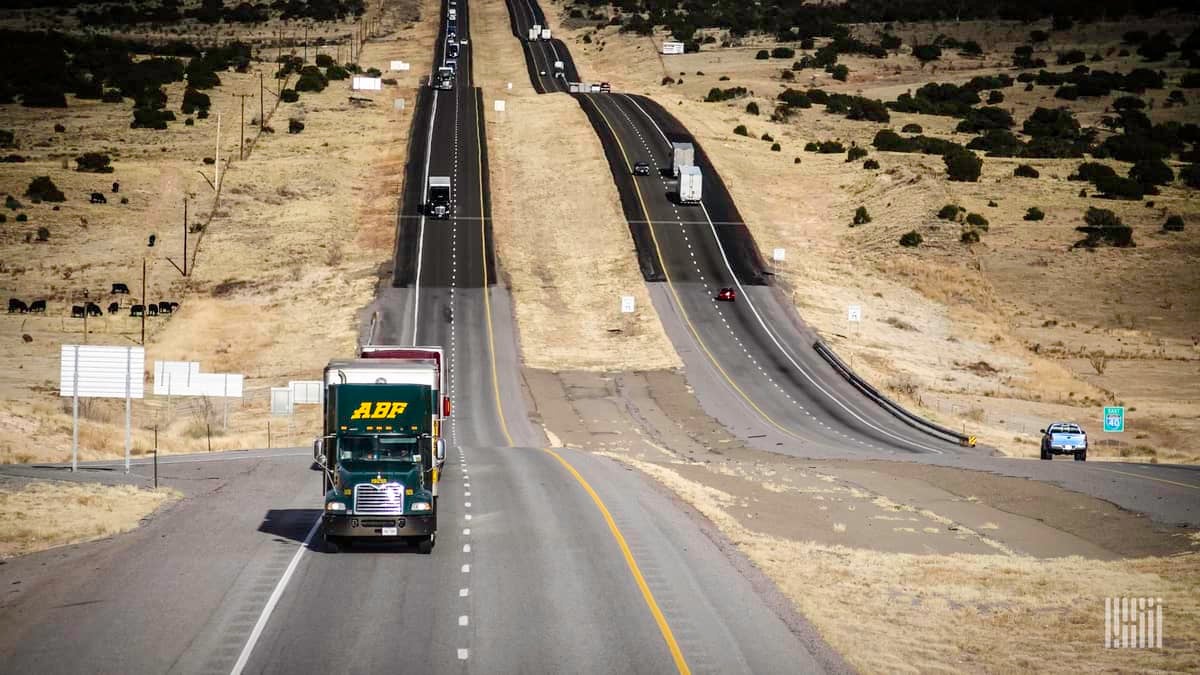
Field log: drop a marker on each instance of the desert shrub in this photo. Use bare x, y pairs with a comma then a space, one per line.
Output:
7, 139
976, 220
1034, 213
44, 189
982, 119
787, 75
111, 96
1191, 175
870, 165
839, 72
22, 217
151, 118
795, 99
1068, 57
795, 160
11, 202
43, 95
911, 239
1091, 171
997, 143
295, 126
811, 147
963, 166
857, 107
12, 159
1047, 122
723, 78
59, 129
3, 218
783, 53
1151, 172
775, 147
1104, 227
970, 236
752, 108
93, 162
1190, 81
830, 148
1025, 171
43, 233
1173, 224
912, 128
289, 96
767, 137
194, 100
716, 94
855, 153
1120, 188
762, 55
741, 130
1132, 148
324, 60
1128, 103
950, 212
861, 217
818, 96
311, 79
995, 97
374, 72
926, 53
336, 72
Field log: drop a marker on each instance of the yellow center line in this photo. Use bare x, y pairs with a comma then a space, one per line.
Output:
663, 627
487, 304
1138, 475
671, 286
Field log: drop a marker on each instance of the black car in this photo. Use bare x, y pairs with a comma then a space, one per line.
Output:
641, 169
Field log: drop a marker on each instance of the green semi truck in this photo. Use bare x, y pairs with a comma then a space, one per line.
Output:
378, 456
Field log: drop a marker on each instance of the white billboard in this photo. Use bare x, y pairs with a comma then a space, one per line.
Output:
306, 391
102, 372
281, 401
361, 83
672, 48
400, 65
183, 378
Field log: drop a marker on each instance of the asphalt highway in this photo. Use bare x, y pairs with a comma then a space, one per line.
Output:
547, 560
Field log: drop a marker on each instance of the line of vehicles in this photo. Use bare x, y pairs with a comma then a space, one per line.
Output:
683, 168
443, 77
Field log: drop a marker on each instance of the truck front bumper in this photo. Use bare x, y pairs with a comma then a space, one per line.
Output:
339, 525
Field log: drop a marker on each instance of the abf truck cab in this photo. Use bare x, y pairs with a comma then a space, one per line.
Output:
378, 456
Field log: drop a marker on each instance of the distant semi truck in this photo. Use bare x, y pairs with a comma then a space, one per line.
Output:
559, 69
691, 182
535, 31
437, 200
682, 154
545, 33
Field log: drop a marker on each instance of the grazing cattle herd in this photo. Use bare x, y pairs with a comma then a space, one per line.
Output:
17, 306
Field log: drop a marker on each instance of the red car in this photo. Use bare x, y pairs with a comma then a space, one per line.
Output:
727, 295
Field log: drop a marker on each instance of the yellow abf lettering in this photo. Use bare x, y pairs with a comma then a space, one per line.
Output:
378, 410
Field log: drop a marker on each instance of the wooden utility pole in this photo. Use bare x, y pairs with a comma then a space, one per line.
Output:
242, 127
185, 238
262, 106
144, 288
306, 43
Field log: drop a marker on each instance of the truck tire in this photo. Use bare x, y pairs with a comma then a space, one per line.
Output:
1046, 454
425, 545
1081, 455
331, 544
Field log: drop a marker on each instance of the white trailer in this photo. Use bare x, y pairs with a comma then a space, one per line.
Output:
545, 33
682, 154
535, 31
690, 184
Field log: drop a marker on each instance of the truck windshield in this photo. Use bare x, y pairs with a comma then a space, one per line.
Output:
379, 448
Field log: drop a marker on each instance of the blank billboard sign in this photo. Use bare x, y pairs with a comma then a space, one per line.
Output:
102, 372
366, 83
306, 391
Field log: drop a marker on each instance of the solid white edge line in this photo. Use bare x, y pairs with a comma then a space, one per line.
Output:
762, 323
261, 624
421, 236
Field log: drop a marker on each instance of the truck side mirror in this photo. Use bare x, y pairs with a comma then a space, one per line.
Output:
319, 451
1041, 431
441, 450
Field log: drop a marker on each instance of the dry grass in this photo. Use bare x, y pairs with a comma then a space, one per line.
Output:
955, 613
1021, 300
44, 515
287, 256
562, 240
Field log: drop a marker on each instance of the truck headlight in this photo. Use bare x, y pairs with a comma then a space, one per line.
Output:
335, 506
420, 506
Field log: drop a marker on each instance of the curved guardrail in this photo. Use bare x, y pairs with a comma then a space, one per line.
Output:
914, 421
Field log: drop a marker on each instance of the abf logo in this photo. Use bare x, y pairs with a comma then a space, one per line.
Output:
378, 410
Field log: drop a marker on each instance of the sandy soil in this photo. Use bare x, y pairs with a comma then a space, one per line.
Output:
299, 231
996, 337
561, 238
39, 515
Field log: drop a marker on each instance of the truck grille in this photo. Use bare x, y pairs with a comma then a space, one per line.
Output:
382, 500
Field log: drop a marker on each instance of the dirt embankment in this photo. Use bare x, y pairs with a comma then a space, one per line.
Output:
278, 267
562, 240
999, 337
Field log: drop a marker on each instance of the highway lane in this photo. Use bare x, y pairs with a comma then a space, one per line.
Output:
541, 54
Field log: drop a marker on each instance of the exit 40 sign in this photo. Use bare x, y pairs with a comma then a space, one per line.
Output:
1114, 418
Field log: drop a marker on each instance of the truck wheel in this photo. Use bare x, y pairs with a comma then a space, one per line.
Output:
331, 544
1081, 456
425, 546
1046, 454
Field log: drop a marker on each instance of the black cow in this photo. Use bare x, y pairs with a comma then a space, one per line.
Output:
152, 309
120, 288
114, 307
174, 306
17, 306
93, 309
38, 307
98, 198
152, 239
136, 310
165, 307
77, 312
116, 187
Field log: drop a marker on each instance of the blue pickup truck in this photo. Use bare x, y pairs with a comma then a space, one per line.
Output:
1064, 438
